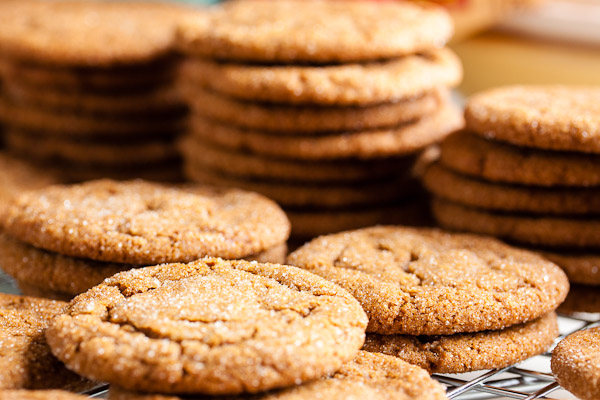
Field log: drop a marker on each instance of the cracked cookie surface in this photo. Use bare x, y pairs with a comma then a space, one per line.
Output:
184, 328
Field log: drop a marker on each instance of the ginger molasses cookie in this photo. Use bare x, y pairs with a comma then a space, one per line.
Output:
39, 395
498, 162
547, 117
536, 230
184, 328
576, 363
580, 267
368, 376
429, 282
26, 361
346, 84
465, 352
137, 222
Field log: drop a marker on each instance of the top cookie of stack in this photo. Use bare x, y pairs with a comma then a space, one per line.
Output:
88, 86
319, 105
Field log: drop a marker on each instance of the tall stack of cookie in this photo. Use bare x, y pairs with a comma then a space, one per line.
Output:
88, 87
527, 169
321, 106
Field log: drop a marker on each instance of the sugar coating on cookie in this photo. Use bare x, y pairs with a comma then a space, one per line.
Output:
429, 282
184, 328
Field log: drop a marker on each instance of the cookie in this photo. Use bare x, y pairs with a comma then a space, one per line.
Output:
401, 140
26, 361
579, 267
526, 229
464, 190
17, 176
368, 376
150, 330
546, 117
498, 162
429, 282
284, 119
581, 299
317, 32
576, 363
137, 222
39, 395
91, 33
466, 352
346, 84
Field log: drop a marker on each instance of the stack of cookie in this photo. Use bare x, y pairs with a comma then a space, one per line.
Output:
87, 87
527, 170
450, 303
321, 106
61, 240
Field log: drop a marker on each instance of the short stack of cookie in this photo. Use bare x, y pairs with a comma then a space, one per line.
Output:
88, 87
59, 241
321, 106
527, 169
449, 303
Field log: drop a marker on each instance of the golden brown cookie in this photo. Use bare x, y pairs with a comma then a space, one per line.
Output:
547, 117
137, 222
39, 395
533, 230
430, 282
498, 162
581, 299
465, 352
26, 361
576, 363
448, 185
580, 267
184, 328
404, 139
346, 84
368, 376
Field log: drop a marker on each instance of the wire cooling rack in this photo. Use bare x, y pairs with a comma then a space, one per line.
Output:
530, 379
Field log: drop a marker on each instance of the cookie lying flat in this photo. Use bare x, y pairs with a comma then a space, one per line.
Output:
526, 229
368, 376
547, 117
580, 268
576, 363
494, 161
429, 282
347, 84
151, 329
39, 395
465, 352
137, 222
26, 360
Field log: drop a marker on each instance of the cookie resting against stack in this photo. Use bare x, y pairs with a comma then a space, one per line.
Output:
447, 302
88, 87
320, 106
61, 240
527, 169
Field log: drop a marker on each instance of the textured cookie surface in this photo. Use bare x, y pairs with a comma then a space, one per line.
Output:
137, 222
347, 84
576, 363
184, 328
368, 376
581, 268
314, 31
494, 161
547, 117
429, 282
39, 395
465, 352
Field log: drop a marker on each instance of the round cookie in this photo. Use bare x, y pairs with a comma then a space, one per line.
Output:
467, 191
576, 363
368, 376
137, 222
526, 229
401, 140
429, 282
318, 32
151, 329
546, 117
466, 352
498, 162
39, 395
346, 84
581, 299
309, 120
26, 361
580, 268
